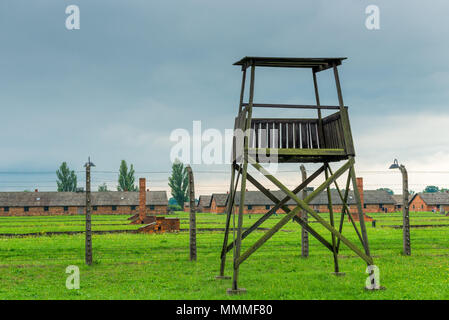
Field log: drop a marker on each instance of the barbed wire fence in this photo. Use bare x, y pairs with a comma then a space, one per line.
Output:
212, 181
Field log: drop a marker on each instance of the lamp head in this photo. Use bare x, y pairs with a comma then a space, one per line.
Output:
88, 163
395, 164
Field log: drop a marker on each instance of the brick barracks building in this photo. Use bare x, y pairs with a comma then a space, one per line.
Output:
257, 203
73, 203
202, 205
425, 201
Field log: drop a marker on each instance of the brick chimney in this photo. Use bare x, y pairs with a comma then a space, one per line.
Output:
360, 188
142, 198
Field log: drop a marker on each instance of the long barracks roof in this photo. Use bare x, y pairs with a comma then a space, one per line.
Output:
220, 199
318, 64
256, 198
433, 198
78, 199
204, 201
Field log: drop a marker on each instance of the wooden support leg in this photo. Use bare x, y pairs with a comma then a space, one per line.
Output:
344, 200
229, 211
235, 289
363, 226
360, 211
331, 218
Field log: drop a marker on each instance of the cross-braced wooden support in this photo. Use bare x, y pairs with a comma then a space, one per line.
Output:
294, 214
321, 140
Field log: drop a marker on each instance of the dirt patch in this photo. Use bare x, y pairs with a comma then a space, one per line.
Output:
55, 233
416, 226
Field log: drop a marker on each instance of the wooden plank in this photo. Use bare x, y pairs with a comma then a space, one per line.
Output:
285, 120
278, 134
333, 131
340, 134
257, 135
243, 184
297, 135
300, 152
294, 106
242, 90
270, 134
284, 135
344, 116
345, 209
359, 209
304, 136
263, 135
290, 135
252, 136
320, 119
229, 211
314, 135
331, 218
331, 117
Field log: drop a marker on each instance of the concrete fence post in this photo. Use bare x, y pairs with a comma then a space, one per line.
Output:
192, 228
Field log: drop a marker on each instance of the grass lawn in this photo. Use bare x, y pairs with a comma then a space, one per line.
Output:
139, 266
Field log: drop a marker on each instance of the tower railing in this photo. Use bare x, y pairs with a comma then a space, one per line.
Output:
298, 139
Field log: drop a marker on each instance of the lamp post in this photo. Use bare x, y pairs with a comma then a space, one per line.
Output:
405, 209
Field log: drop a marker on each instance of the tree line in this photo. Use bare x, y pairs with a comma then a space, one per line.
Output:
427, 189
178, 181
67, 180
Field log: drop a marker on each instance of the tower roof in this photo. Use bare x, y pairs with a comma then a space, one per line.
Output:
318, 63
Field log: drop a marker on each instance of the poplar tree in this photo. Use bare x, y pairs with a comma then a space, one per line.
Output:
126, 178
179, 182
66, 179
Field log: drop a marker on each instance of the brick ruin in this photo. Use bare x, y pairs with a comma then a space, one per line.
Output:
355, 216
152, 223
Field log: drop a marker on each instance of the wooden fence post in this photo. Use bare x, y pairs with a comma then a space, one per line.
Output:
192, 228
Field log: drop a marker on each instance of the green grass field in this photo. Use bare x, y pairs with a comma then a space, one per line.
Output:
139, 266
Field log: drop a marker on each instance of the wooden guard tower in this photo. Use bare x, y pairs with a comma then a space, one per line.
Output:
318, 140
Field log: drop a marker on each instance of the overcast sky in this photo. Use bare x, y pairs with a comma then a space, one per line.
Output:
136, 70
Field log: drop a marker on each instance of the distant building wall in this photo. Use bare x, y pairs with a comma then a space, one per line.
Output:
216, 209
418, 204
59, 211
262, 209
